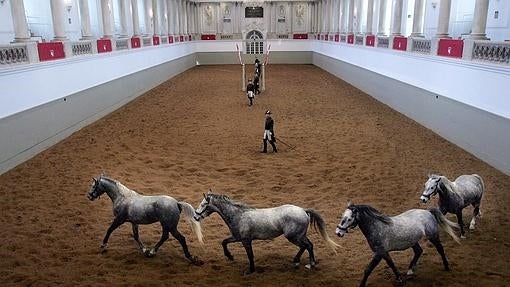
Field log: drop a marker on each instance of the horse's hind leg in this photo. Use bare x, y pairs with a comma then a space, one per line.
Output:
461, 224
309, 247
476, 213
182, 240
136, 236
440, 250
417, 253
164, 237
302, 247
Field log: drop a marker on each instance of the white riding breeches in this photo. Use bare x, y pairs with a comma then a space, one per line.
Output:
267, 134
251, 94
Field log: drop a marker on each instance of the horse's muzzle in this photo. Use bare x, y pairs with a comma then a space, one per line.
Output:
90, 197
424, 199
197, 217
340, 232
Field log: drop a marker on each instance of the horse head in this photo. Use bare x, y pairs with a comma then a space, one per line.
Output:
432, 187
95, 189
348, 221
205, 208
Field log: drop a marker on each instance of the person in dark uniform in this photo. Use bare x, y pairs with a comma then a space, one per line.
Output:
257, 66
269, 133
250, 92
256, 83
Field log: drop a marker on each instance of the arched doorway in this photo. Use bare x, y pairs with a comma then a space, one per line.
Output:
254, 43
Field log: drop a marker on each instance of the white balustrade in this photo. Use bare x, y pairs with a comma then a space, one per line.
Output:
83, 47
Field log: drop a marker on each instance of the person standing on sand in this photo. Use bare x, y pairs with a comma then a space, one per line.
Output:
250, 92
257, 66
269, 133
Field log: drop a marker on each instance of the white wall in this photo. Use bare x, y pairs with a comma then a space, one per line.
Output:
57, 79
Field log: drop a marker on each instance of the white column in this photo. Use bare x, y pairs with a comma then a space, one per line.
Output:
147, 10
358, 12
136, 19
444, 18
123, 6
419, 8
155, 17
397, 18
170, 5
381, 29
19, 21
57, 16
341, 24
480, 20
370, 17
164, 17
107, 19
86, 31
350, 23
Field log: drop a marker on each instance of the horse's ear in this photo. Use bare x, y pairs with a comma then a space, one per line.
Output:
349, 203
210, 191
204, 195
94, 179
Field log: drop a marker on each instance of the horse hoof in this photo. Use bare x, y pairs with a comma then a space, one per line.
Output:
410, 272
103, 248
463, 237
149, 253
472, 227
248, 272
195, 261
400, 282
296, 264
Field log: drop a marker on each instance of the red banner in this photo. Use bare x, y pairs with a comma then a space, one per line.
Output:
135, 42
350, 39
155, 40
337, 38
181, 38
326, 37
400, 43
370, 40
208, 37
104, 45
50, 51
170, 39
450, 48
300, 36
190, 39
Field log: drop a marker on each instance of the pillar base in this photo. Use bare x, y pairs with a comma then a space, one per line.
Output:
478, 36
22, 40
438, 36
60, 39
417, 35
85, 38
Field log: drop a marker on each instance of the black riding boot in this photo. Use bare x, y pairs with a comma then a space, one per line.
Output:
274, 146
265, 146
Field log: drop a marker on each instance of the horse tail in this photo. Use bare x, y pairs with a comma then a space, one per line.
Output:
189, 213
445, 224
481, 182
317, 222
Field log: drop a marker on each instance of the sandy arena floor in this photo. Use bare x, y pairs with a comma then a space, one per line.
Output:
196, 132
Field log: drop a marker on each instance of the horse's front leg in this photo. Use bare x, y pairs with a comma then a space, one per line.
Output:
390, 263
461, 223
249, 252
375, 261
136, 236
224, 243
118, 221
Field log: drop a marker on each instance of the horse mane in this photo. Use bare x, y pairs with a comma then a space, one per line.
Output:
448, 184
122, 189
225, 199
371, 212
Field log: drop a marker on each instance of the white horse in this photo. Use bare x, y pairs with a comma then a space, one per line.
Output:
247, 224
400, 232
455, 196
129, 206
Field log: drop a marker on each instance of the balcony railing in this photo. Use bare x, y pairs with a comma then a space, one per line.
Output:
122, 44
492, 52
282, 36
343, 38
83, 47
13, 54
226, 37
359, 39
147, 41
422, 46
164, 40
383, 42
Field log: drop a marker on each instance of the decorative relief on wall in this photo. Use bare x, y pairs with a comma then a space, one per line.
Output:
226, 14
209, 15
300, 14
281, 14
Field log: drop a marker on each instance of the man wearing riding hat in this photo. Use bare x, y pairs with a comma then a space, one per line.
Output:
269, 133
250, 92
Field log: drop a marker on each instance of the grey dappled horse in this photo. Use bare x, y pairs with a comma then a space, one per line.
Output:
247, 224
385, 234
455, 196
129, 206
